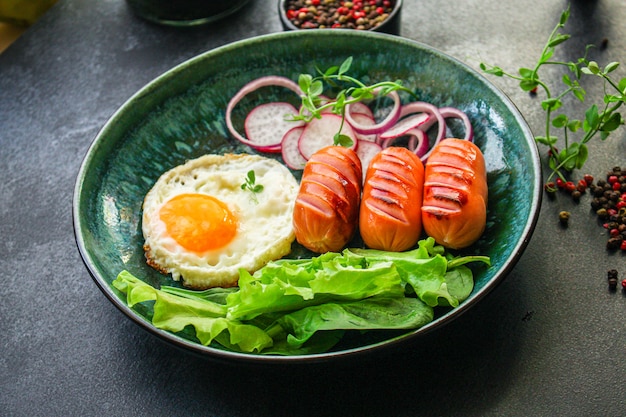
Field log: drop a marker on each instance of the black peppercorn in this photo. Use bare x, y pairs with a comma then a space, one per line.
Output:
613, 243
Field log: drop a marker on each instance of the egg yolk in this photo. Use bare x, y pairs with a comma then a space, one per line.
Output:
198, 222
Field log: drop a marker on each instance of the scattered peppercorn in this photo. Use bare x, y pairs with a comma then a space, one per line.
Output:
355, 14
612, 278
609, 203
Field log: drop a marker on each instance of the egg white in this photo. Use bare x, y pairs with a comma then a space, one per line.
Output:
264, 232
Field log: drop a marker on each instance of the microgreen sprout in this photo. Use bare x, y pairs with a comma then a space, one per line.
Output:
599, 119
314, 102
251, 185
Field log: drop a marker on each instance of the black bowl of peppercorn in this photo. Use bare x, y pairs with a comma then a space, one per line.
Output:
372, 15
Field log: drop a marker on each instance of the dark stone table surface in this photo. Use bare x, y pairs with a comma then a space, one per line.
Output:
549, 341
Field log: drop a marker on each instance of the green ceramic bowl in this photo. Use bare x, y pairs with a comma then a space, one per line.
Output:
180, 115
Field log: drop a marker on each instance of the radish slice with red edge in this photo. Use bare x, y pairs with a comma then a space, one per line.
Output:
267, 123
290, 150
451, 112
319, 133
366, 150
267, 81
381, 126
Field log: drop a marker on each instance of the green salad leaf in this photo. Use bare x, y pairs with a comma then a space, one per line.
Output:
305, 306
368, 314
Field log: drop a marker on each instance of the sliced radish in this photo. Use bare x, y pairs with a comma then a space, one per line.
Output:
381, 126
267, 81
290, 151
451, 112
319, 133
366, 150
267, 149
267, 123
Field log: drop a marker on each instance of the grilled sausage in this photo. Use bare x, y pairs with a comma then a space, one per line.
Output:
327, 206
454, 210
390, 217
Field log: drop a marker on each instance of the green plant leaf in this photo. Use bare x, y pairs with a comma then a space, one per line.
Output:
592, 118
579, 93
316, 88
559, 121
567, 80
612, 123
611, 67
331, 70
564, 17
547, 54
528, 85
496, 71
622, 86
343, 140
593, 67
575, 69
612, 98
581, 156
526, 73
558, 39
574, 125
551, 104
551, 141
345, 66
304, 82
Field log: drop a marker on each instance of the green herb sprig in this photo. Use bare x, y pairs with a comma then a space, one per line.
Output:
599, 119
251, 185
314, 103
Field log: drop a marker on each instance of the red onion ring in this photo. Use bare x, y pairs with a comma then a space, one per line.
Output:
423, 107
381, 126
452, 112
267, 81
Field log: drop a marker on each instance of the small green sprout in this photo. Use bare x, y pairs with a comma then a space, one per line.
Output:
251, 185
314, 102
599, 120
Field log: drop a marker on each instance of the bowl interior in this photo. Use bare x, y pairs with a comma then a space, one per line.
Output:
180, 116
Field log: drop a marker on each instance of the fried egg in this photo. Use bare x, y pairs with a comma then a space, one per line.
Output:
201, 224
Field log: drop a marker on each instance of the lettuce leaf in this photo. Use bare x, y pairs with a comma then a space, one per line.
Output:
368, 314
173, 313
291, 285
436, 278
305, 306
